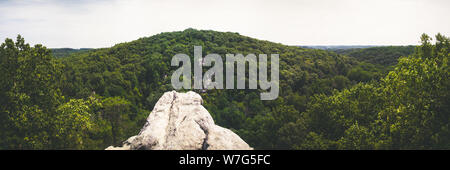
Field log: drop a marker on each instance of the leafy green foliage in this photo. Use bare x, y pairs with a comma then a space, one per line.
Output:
66, 52
139, 72
386, 56
33, 115
73, 122
96, 98
408, 109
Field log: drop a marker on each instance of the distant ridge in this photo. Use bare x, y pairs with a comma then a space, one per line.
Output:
334, 47
64, 52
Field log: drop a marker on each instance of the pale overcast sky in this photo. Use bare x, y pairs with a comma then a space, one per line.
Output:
103, 23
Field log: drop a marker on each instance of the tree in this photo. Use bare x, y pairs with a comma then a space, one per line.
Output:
116, 111
74, 121
29, 93
407, 109
417, 114
31, 109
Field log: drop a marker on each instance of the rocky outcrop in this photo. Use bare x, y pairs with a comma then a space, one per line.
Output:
180, 122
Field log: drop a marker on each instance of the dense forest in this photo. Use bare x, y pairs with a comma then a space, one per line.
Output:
374, 61
373, 98
387, 55
65, 52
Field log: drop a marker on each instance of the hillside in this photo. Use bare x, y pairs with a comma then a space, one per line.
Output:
109, 92
386, 56
64, 52
140, 72
146, 61
337, 47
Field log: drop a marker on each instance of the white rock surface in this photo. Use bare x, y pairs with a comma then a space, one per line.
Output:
180, 122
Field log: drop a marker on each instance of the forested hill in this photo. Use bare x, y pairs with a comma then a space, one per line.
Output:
323, 101
145, 64
386, 55
64, 52
139, 72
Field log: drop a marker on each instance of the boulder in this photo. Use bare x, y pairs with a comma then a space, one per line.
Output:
180, 122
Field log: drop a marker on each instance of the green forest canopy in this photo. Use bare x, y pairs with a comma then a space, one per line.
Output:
96, 98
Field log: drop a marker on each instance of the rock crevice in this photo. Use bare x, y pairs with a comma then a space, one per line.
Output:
180, 122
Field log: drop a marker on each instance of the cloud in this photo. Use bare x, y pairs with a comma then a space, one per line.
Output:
86, 23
